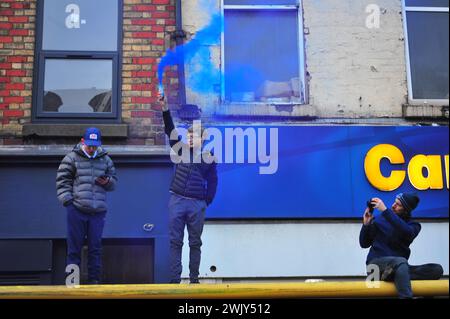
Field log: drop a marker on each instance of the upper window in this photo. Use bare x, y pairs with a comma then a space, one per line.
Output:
262, 50
426, 28
78, 60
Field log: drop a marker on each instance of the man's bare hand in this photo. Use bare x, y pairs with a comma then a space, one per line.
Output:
379, 204
102, 180
368, 216
162, 101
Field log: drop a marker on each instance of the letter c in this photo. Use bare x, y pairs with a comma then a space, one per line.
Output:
372, 167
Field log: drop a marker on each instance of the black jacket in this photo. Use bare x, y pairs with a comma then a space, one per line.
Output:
197, 178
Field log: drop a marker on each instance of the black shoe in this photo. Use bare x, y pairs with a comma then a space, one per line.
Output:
93, 282
194, 281
176, 282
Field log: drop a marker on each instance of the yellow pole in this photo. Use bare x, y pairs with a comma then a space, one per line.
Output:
349, 289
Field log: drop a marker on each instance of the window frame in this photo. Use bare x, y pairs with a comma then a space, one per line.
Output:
38, 114
300, 45
411, 99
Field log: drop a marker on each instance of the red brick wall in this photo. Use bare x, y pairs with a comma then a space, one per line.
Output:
17, 21
147, 25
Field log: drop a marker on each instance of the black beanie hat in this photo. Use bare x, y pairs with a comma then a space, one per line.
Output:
409, 201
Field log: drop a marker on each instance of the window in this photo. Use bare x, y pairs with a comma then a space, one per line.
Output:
426, 29
262, 52
77, 60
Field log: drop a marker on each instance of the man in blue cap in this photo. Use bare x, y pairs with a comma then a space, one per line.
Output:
389, 236
83, 178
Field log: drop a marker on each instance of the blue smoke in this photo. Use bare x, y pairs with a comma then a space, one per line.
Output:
260, 47
203, 73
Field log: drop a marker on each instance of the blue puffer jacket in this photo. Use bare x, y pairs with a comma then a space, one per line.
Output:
75, 180
388, 235
196, 179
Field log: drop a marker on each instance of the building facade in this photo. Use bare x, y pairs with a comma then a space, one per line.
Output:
69, 65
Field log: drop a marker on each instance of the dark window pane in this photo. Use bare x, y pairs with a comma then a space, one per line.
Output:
428, 50
261, 2
427, 3
262, 56
77, 86
81, 25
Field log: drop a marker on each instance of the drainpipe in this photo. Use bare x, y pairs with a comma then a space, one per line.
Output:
186, 111
179, 36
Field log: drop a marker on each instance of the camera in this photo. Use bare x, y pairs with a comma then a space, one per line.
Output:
370, 205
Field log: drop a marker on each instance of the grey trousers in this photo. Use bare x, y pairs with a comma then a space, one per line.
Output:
190, 213
398, 270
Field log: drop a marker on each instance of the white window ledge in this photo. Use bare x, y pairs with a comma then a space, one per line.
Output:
262, 109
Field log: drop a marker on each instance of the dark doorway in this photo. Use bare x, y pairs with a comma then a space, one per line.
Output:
125, 261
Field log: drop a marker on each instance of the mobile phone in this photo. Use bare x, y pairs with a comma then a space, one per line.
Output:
370, 206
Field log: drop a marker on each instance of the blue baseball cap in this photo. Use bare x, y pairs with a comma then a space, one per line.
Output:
92, 137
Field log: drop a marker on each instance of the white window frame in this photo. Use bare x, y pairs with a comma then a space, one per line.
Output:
411, 100
300, 43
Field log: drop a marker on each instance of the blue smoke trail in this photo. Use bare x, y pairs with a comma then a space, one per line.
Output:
204, 73
257, 53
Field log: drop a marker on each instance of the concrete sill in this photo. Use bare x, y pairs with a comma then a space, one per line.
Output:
73, 130
280, 111
425, 111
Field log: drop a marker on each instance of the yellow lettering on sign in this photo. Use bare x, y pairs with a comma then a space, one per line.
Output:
446, 167
433, 180
372, 167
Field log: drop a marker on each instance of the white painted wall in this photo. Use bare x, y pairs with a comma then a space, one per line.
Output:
244, 250
348, 61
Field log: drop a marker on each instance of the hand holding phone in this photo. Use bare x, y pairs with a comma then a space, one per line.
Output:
370, 205
368, 216
102, 180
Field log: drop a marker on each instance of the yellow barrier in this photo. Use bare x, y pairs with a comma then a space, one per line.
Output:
349, 289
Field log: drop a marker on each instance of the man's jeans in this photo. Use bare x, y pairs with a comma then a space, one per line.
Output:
79, 226
191, 213
403, 273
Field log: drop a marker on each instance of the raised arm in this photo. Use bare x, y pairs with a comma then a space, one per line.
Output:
409, 230
368, 231
169, 127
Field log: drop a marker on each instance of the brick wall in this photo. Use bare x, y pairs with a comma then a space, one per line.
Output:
17, 22
147, 25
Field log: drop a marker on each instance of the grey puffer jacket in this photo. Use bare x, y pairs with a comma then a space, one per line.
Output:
75, 180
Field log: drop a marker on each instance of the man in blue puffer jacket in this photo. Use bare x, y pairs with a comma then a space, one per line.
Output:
192, 190
389, 237
83, 178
